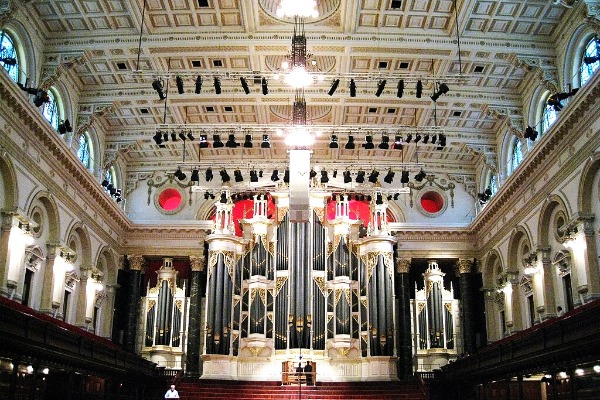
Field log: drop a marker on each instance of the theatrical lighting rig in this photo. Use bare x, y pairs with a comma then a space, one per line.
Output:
111, 190
40, 96
530, 133
441, 89
555, 101
334, 86
158, 86
485, 196
380, 87
64, 127
352, 88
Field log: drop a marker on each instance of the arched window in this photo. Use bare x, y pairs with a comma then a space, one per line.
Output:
587, 70
84, 153
549, 116
8, 53
516, 156
50, 110
109, 176
493, 185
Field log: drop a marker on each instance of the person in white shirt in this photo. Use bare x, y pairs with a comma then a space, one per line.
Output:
172, 393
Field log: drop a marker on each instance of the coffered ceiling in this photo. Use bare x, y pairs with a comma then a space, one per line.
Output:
369, 40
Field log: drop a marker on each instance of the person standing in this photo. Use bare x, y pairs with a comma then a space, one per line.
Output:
172, 393
308, 370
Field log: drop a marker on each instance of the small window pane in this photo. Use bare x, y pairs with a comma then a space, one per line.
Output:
50, 110
549, 116
587, 70
84, 150
517, 156
493, 184
8, 51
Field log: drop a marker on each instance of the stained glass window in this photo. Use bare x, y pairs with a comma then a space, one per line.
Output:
50, 110
493, 184
587, 70
8, 53
84, 151
517, 156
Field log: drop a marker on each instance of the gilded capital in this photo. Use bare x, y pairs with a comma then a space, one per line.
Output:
197, 263
464, 266
136, 262
403, 265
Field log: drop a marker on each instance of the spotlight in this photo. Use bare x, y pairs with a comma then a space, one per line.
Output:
334, 142
373, 176
182, 136
425, 139
217, 141
352, 88
530, 133
253, 176
237, 176
265, 144
158, 86
347, 177
417, 138
105, 183
420, 176
275, 175
198, 88
265, 86
224, 176
248, 141
400, 92
195, 177
173, 136
419, 89
485, 196
334, 87
190, 136
158, 138
217, 85
379, 199
385, 142
166, 137
206, 195
397, 143
369, 143
231, 141
335, 173
408, 138
260, 173
389, 177
442, 89
208, 175
404, 178
442, 141
396, 196
312, 173
223, 197
41, 97
380, 87
555, 99
350, 145
179, 174
433, 139
203, 141
360, 177
286, 176
324, 177
244, 83
179, 83
64, 127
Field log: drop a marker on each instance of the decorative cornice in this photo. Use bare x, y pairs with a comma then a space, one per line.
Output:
542, 68
436, 235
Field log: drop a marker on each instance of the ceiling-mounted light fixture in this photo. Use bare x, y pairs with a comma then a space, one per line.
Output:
324, 177
368, 145
350, 144
231, 143
389, 177
244, 83
334, 86
203, 141
198, 85
248, 142
360, 177
333, 144
380, 87
208, 175
419, 89
275, 176
224, 176
237, 175
530, 133
217, 141
179, 174
347, 177
158, 86
397, 143
442, 89
373, 176
179, 83
286, 176
265, 144
400, 91
420, 176
217, 85
352, 88
195, 177
265, 86
385, 142
404, 178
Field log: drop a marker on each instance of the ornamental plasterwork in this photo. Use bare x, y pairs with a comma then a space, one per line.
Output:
320, 282
179, 304
430, 180
332, 246
151, 304
281, 211
160, 181
71, 279
543, 67
512, 117
57, 65
527, 284
279, 282
448, 307
320, 213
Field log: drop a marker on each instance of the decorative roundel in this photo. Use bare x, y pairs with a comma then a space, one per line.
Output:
37, 216
432, 203
325, 8
169, 200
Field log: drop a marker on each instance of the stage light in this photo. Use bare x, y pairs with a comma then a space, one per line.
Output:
253, 176
217, 141
173, 136
312, 173
408, 138
352, 88
265, 144
224, 176
425, 139
419, 89
265, 86
158, 138
195, 177
333, 144
248, 141
398, 142
373, 176
324, 177
190, 136
179, 174
286, 176
231, 141
203, 141
223, 197
237, 175
396, 196
400, 92
385, 142
442, 141
404, 178
64, 127
334, 86
179, 83
417, 138
530, 133
217, 85
420, 176
275, 175
389, 177
442, 89
158, 86
244, 85
379, 199
360, 177
369, 143
208, 175
380, 87
335, 173
347, 177
433, 139
350, 145
182, 136
198, 87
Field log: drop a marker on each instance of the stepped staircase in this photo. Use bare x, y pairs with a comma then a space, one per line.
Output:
195, 389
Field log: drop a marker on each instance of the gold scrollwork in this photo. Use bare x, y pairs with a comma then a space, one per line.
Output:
179, 304
320, 281
151, 304
281, 280
448, 307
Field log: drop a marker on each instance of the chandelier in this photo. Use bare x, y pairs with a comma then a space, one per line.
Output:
298, 8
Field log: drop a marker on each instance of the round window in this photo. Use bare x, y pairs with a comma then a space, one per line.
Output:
169, 199
432, 203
